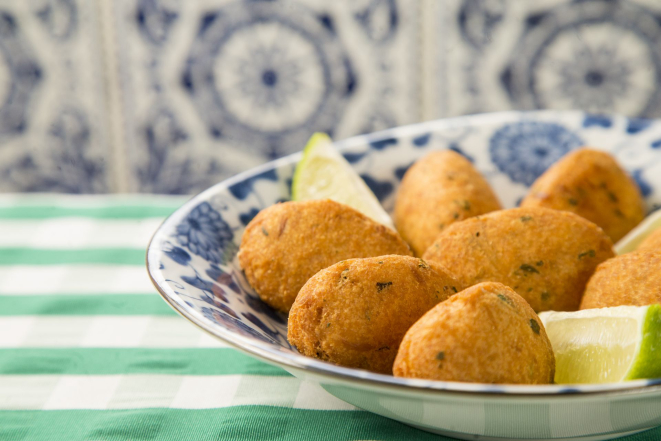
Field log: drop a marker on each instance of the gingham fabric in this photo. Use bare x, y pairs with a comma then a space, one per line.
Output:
89, 351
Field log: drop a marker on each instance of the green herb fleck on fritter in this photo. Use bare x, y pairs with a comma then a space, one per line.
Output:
264, 232
505, 299
572, 201
526, 218
534, 326
440, 356
466, 205
380, 286
528, 268
422, 264
588, 253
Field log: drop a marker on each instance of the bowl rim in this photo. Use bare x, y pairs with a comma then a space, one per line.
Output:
267, 353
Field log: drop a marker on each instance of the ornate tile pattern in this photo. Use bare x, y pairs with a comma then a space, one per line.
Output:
53, 120
170, 96
596, 55
212, 88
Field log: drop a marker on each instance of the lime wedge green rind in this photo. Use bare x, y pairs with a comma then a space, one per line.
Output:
314, 140
648, 362
605, 345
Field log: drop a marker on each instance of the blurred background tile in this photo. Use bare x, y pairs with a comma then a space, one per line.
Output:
208, 89
171, 96
53, 120
596, 55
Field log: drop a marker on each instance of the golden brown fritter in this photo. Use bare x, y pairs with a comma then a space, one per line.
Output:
629, 279
356, 312
651, 242
546, 256
485, 334
438, 190
591, 184
287, 243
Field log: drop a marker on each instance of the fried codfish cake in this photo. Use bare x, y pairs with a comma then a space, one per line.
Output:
356, 312
485, 334
651, 242
438, 190
546, 256
287, 243
630, 279
591, 184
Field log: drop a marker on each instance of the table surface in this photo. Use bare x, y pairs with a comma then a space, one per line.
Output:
89, 350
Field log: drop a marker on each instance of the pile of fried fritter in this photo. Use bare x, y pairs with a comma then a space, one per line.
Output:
454, 294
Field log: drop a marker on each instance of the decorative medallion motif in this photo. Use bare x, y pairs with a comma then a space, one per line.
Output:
263, 78
524, 150
598, 56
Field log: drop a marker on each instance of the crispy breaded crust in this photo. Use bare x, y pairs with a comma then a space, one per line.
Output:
629, 279
591, 184
547, 256
287, 243
651, 242
356, 312
486, 334
440, 189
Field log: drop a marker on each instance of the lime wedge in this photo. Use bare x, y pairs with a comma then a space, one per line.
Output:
606, 345
636, 236
323, 173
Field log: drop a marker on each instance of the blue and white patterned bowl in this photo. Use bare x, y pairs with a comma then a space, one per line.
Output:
192, 261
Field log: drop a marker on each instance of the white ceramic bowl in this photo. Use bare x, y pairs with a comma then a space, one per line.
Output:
192, 262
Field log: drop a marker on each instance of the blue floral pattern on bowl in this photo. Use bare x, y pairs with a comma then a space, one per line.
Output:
524, 150
205, 233
192, 257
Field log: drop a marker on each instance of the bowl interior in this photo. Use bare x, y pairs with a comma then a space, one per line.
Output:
192, 257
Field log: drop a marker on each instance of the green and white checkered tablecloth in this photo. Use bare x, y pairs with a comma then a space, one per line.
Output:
89, 350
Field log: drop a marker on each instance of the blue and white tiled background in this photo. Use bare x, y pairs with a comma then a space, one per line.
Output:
170, 96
